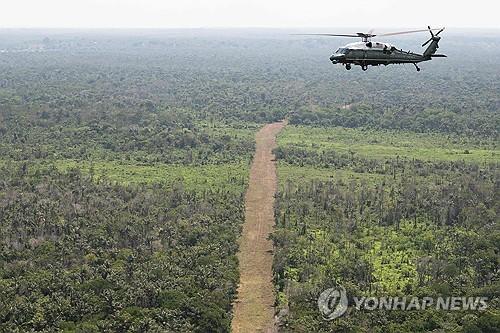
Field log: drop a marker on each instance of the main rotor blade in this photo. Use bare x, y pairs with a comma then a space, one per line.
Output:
369, 34
405, 32
440, 31
426, 42
327, 35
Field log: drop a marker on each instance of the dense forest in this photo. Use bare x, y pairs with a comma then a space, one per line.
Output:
124, 160
86, 256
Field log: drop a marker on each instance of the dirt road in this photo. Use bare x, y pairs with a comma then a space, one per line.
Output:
253, 310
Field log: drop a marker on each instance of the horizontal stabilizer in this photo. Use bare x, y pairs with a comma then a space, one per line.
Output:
438, 55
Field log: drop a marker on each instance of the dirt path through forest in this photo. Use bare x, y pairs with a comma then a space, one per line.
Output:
253, 310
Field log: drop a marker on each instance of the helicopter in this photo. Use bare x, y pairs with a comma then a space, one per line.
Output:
370, 53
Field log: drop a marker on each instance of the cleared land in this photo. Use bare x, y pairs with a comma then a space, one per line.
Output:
253, 311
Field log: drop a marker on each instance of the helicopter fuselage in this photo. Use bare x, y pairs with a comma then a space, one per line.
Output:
373, 53
370, 53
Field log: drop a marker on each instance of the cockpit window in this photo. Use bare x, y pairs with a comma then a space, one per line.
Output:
342, 50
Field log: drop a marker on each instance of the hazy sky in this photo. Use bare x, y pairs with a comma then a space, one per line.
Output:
248, 13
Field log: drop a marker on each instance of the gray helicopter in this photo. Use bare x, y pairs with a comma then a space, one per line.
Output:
367, 53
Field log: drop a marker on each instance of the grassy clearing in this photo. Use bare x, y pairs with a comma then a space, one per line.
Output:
197, 178
230, 176
244, 131
214, 169
298, 174
389, 144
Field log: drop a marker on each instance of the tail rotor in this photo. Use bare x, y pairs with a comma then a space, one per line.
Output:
434, 36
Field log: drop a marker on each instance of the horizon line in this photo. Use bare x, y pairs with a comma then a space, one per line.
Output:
231, 27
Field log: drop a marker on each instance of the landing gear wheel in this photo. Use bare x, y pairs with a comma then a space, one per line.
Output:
364, 67
418, 68
348, 67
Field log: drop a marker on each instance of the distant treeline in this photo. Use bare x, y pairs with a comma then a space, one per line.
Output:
258, 79
417, 119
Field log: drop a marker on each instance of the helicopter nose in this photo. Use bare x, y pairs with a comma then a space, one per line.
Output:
337, 57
